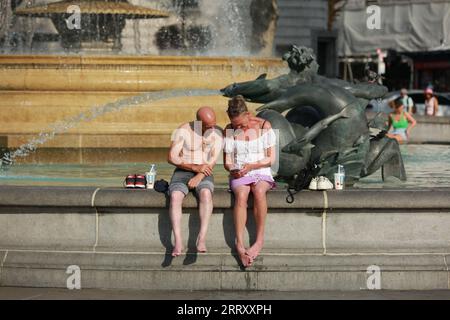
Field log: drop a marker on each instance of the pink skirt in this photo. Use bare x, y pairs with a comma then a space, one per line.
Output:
245, 181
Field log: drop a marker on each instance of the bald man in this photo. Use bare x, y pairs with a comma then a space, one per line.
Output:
194, 151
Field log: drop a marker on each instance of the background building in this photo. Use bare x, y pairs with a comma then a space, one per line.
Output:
305, 23
412, 44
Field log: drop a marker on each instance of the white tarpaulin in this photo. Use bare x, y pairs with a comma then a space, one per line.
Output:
405, 27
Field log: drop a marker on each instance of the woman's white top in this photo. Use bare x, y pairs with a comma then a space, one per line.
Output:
251, 151
429, 106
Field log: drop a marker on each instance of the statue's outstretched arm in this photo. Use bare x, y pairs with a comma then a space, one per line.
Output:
363, 90
261, 90
325, 97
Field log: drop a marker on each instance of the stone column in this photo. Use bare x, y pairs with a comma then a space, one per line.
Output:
264, 15
5, 13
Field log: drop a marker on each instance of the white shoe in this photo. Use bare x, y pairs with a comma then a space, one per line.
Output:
324, 184
313, 184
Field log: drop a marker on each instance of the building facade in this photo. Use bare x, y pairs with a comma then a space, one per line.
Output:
304, 23
413, 37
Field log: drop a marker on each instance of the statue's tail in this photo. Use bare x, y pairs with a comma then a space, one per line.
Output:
394, 167
385, 153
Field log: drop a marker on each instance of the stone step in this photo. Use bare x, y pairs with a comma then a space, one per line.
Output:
272, 272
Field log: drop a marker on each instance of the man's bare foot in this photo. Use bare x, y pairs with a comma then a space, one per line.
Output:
201, 245
177, 250
246, 260
254, 250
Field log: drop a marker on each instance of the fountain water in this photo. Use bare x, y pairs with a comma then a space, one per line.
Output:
63, 126
88, 24
211, 27
73, 80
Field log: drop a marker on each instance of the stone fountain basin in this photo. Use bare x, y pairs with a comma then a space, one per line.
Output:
37, 91
323, 241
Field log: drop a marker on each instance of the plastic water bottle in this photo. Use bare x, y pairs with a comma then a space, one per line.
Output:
150, 176
339, 178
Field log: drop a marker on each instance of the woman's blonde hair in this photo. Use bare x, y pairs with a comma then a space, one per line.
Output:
236, 106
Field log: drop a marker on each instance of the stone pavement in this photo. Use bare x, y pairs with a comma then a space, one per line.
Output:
15, 293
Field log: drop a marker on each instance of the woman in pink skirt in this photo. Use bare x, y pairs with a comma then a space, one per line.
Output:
249, 152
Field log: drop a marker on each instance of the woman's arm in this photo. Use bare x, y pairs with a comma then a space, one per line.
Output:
436, 106
228, 155
267, 161
264, 163
389, 122
228, 162
412, 122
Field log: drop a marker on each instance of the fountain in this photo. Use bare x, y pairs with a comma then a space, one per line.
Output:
75, 123
184, 36
51, 114
75, 82
101, 22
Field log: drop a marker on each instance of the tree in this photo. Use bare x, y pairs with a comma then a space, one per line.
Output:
3, 16
334, 7
264, 15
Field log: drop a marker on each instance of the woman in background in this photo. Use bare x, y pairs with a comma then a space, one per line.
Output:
431, 103
401, 122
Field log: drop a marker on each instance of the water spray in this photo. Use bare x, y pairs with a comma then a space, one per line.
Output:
95, 112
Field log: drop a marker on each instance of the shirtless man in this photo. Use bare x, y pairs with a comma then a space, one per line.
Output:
194, 151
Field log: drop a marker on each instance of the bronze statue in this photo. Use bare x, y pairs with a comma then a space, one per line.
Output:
326, 125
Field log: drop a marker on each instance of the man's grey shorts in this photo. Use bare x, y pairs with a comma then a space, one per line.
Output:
180, 179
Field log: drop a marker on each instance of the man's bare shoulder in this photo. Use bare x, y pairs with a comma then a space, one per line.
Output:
227, 128
186, 126
216, 131
184, 130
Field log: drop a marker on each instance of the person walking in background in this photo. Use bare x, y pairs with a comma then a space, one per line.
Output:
408, 102
401, 122
431, 103
249, 153
195, 147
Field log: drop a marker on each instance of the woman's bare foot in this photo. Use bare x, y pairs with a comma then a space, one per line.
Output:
177, 250
246, 260
201, 245
254, 250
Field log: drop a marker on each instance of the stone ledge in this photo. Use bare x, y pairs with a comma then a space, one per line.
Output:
83, 61
29, 196
78, 197
433, 120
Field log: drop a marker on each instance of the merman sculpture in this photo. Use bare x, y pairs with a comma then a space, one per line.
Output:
326, 125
